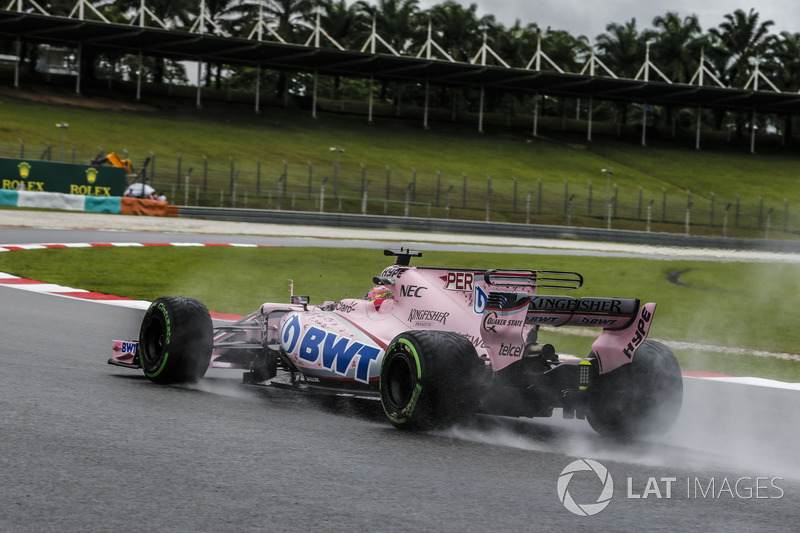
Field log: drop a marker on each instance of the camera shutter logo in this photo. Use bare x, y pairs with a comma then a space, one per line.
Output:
585, 509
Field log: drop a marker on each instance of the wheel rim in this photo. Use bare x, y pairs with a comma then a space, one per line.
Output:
400, 381
154, 338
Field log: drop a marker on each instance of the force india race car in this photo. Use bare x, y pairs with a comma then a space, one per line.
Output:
438, 345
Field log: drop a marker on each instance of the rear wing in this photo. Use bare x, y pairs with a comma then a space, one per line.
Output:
545, 279
606, 313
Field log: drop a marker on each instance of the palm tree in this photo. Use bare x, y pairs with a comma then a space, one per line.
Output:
564, 49
292, 17
173, 13
743, 38
516, 44
396, 21
457, 29
347, 25
677, 46
738, 41
786, 54
221, 13
622, 48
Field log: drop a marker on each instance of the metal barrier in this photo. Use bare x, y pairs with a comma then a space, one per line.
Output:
472, 227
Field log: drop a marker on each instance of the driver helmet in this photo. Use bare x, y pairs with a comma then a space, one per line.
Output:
378, 294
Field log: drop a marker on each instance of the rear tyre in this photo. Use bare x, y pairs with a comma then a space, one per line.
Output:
175, 340
639, 399
428, 379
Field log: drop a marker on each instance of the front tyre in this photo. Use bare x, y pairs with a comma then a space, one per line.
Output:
639, 399
175, 340
428, 379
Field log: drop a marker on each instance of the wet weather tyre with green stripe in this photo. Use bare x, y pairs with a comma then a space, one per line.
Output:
640, 399
175, 340
429, 380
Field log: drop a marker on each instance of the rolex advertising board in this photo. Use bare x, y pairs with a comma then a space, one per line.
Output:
69, 178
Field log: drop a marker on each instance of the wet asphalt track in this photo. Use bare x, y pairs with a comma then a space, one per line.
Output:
90, 447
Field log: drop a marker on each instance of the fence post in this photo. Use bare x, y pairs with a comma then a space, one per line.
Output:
566, 195
736, 216
233, 188
438, 185
232, 178
338, 151
713, 205
639, 212
569, 210
408, 197
688, 217
21, 149
258, 177
285, 177
363, 182
589, 205
725, 220
539, 199
414, 189
205, 173
528, 208
785, 215
616, 199
178, 176
364, 187
488, 196
514, 205
760, 211
769, 223
447, 203
278, 195
186, 187
322, 195
310, 176
152, 166
663, 204
388, 189
649, 213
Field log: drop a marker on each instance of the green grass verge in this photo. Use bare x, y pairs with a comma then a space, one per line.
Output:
739, 305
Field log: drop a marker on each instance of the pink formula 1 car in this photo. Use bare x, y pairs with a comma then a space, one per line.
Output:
435, 346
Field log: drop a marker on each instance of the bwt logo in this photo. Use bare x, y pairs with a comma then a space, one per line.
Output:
585, 509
